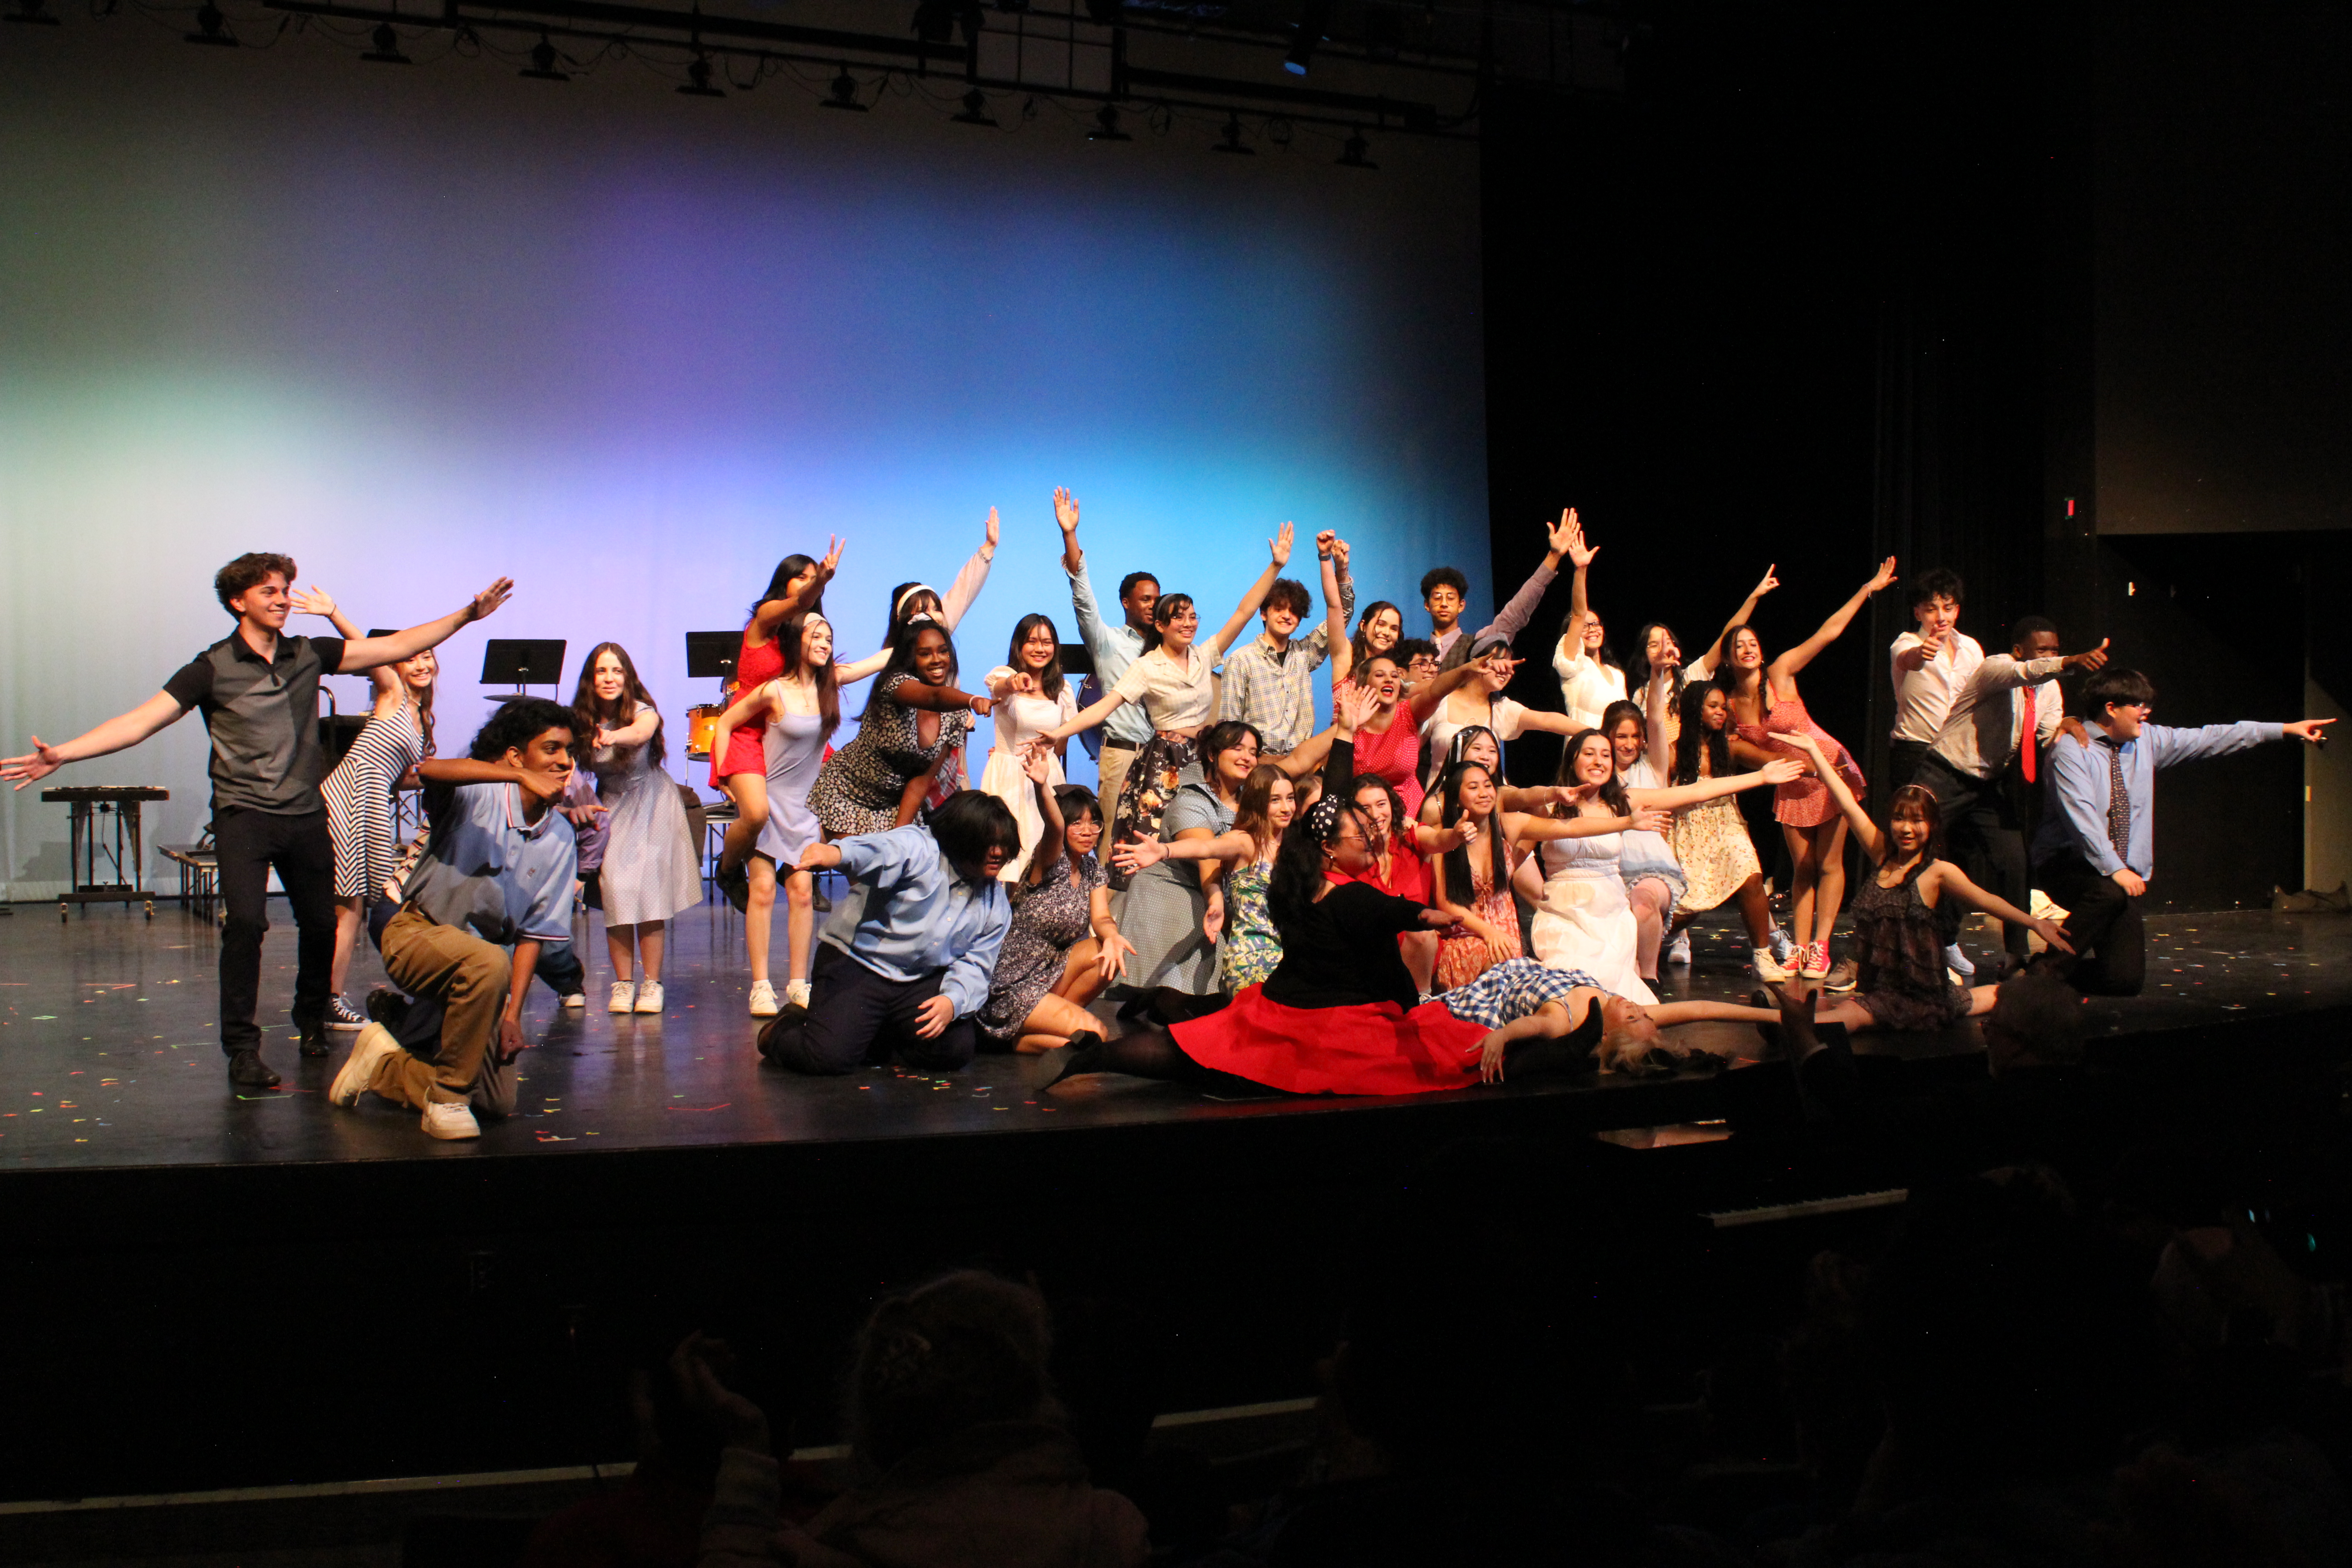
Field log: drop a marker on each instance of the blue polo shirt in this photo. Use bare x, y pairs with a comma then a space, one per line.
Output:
490, 871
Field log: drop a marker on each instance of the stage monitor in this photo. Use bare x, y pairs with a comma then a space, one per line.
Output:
713, 653
522, 661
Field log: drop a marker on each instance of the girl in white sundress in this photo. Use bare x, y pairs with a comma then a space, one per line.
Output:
1031, 697
652, 869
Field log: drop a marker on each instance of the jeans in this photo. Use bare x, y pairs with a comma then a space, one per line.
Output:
247, 844
857, 1017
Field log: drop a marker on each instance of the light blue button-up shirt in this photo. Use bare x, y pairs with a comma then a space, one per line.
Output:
907, 915
1114, 644
2079, 788
493, 871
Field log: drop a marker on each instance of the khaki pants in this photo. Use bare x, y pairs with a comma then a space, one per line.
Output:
1114, 762
469, 977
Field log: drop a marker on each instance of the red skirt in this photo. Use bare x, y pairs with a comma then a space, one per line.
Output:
747, 753
1372, 1047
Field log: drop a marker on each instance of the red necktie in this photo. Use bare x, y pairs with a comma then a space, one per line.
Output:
2028, 740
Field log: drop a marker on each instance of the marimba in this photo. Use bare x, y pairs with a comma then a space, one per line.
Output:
120, 802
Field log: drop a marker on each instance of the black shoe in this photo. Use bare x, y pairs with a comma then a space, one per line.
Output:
315, 1044
1083, 1047
388, 1007
818, 903
791, 1016
737, 885
247, 1070
1133, 1007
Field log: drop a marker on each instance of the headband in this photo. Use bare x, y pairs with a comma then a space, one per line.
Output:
912, 589
1324, 815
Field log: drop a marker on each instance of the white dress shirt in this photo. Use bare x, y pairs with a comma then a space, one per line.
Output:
1923, 697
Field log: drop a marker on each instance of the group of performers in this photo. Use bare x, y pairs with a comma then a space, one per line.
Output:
1332, 909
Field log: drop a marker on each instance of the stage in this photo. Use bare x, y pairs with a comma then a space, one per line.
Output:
273, 1282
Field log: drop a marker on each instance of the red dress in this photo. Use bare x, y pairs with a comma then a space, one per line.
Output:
1394, 755
746, 744
1805, 802
1336, 1017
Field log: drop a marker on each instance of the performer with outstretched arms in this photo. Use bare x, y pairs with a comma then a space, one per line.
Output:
796, 588
1113, 645
259, 690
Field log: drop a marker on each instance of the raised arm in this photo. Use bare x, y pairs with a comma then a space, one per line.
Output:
1786, 667
1048, 847
1579, 609
635, 732
1191, 845
369, 652
1533, 829
1512, 618
1279, 546
1423, 700
316, 601
1703, 667
456, 771
1339, 595
117, 733
774, 613
1657, 701
1087, 718
971, 578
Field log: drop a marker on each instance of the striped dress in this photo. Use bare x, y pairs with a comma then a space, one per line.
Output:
359, 799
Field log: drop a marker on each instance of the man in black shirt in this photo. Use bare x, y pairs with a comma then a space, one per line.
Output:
259, 693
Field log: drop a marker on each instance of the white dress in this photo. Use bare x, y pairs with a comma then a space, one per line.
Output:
1019, 721
651, 870
1584, 921
1587, 686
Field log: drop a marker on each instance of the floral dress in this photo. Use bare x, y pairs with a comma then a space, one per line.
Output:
1049, 918
1251, 947
859, 788
1463, 955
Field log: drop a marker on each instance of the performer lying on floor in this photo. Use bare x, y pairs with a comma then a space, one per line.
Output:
1337, 1016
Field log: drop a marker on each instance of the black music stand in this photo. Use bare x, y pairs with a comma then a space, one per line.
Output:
524, 661
713, 653
1077, 658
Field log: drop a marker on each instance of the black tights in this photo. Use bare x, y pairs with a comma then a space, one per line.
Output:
1150, 1053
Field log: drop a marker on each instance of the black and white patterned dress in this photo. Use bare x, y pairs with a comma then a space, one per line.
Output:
1049, 918
359, 800
859, 787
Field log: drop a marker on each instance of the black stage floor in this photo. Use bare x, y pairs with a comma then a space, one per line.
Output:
109, 1056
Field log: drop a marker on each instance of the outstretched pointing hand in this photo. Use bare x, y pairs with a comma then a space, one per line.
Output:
33, 766
487, 602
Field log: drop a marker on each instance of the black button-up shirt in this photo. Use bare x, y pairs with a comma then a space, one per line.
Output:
264, 718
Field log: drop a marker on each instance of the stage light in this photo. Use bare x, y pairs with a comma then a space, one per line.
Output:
1106, 126
1351, 156
543, 60
212, 28
1233, 142
975, 110
387, 46
1314, 22
34, 11
698, 79
844, 93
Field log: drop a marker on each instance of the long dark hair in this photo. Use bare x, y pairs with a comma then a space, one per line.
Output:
623, 710
902, 655
1616, 713
1163, 611
1696, 734
780, 582
1602, 655
1930, 809
1297, 872
1461, 883
1363, 649
1637, 674
902, 607
1612, 793
828, 691
1049, 680
1256, 805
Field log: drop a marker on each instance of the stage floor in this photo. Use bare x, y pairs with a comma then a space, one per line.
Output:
108, 1055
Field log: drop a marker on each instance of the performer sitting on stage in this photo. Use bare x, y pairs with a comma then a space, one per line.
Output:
2096, 846
1064, 946
905, 961
740, 768
259, 693
1902, 982
494, 884
1339, 1015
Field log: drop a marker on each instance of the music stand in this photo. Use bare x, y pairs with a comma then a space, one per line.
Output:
525, 661
713, 653
1077, 658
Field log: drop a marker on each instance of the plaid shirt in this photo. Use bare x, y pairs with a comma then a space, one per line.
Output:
1272, 686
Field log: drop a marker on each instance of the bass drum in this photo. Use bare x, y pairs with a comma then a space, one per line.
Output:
701, 729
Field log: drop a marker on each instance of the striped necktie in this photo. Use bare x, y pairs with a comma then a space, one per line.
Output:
2118, 800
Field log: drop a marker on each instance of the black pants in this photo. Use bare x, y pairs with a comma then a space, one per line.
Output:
2103, 923
858, 1018
248, 843
1988, 841
1902, 760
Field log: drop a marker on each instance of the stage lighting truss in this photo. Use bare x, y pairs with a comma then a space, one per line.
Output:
1235, 67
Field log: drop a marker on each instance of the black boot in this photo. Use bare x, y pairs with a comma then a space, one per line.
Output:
314, 1042
247, 1070
1085, 1046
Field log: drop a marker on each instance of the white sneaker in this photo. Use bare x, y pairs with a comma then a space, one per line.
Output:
1678, 951
796, 994
451, 1120
624, 997
1957, 961
649, 996
368, 1052
1783, 950
763, 999
1769, 969
575, 1000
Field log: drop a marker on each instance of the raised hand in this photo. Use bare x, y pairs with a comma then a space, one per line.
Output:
1280, 544
1765, 586
1327, 544
1066, 508
315, 600
487, 602
1340, 555
33, 766
831, 562
1558, 535
1883, 577
2311, 730
1785, 770
991, 529
2095, 659
1580, 554
1034, 764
